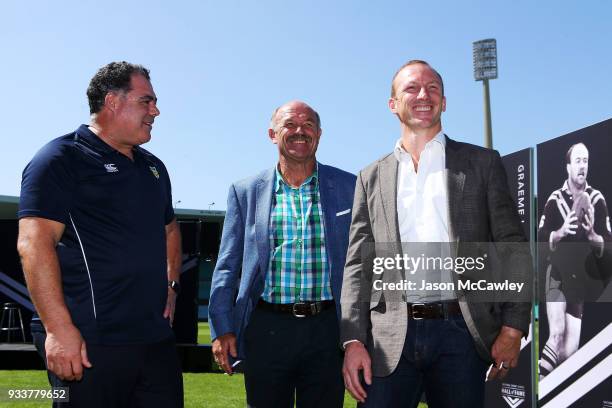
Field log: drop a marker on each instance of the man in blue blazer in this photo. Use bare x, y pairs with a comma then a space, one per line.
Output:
275, 293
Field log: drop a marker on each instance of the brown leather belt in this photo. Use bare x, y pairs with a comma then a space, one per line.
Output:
438, 310
301, 309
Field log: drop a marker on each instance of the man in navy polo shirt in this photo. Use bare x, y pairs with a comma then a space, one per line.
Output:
100, 249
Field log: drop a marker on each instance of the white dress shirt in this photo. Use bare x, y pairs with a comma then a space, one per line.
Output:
423, 213
422, 200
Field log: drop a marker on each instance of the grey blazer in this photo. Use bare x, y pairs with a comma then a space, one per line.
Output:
481, 210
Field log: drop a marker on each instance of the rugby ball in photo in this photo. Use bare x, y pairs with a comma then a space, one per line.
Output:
581, 205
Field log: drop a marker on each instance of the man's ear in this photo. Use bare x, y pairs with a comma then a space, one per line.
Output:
392, 105
110, 101
272, 136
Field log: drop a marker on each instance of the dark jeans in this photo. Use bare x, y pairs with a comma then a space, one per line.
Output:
293, 359
440, 358
124, 376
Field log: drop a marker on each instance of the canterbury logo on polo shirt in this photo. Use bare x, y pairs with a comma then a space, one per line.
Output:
111, 168
154, 171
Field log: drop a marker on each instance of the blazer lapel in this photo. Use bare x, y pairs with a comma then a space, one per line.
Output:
262, 217
387, 179
329, 203
455, 166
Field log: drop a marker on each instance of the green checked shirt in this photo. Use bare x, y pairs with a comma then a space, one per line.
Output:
298, 269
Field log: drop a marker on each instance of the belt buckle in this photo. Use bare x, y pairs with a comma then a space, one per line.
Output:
294, 309
412, 311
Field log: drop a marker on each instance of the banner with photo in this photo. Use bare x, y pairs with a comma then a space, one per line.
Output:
574, 266
516, 388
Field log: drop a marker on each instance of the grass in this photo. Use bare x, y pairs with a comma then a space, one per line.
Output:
208, 390
25, 380
203, 333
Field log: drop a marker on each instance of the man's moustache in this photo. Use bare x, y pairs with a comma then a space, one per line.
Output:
298, 138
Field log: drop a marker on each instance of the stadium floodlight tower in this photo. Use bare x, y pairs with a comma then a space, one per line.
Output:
485, 68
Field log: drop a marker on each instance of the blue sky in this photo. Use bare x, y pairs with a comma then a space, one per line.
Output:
219, 68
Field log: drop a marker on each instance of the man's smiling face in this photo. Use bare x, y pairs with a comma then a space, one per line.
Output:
135, 112
419, 100
296, 131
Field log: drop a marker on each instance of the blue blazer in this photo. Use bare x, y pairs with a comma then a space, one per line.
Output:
238, 279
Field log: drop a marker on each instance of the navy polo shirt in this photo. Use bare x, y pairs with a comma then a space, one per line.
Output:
113, 251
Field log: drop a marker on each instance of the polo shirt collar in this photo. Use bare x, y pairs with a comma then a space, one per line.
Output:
85, 133
100, 145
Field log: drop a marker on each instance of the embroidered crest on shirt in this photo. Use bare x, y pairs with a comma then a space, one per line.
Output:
154, 171
111, 168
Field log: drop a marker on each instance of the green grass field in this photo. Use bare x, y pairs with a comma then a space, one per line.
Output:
203, 333
202, 390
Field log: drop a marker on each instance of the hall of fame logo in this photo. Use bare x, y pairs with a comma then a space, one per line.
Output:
513, 394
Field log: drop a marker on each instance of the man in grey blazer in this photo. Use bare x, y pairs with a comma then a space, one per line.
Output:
275, 292
430, 189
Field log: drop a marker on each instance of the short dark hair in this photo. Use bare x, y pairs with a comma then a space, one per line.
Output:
568, 155
413, 62
115, 76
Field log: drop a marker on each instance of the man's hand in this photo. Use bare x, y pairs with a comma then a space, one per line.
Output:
65, 348
505, 352
174, 254
568, 228
66, 353
589, 227
170, 306
356, 358
220, 348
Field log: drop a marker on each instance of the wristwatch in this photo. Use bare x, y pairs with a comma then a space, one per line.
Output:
175, 286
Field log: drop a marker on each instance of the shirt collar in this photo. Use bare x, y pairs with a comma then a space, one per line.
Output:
399, 151
566, 187
94, 140
312, 179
